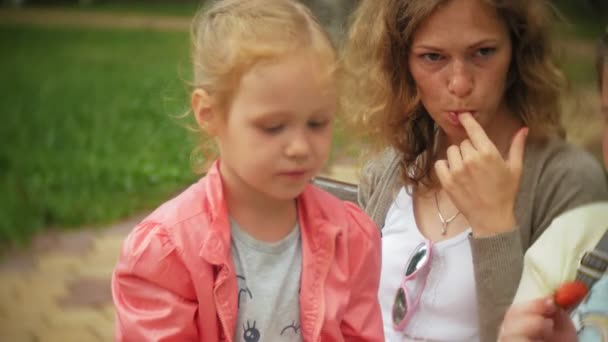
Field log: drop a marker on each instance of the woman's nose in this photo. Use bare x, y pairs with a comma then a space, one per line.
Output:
461, 81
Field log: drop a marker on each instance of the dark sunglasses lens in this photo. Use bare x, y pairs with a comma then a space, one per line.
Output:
399, 307
417, 260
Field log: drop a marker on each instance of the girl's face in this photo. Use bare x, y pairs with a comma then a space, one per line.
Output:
459, 60
604, 104
277, 132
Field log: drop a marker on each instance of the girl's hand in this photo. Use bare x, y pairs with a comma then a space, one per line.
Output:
537, 320
483, 185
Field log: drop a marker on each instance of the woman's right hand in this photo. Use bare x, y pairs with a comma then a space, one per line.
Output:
537, 320
480, 182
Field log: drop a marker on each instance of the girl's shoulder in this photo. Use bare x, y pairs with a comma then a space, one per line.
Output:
179, 222
343, 215
380, 163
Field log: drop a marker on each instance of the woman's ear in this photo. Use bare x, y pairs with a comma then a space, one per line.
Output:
202, 106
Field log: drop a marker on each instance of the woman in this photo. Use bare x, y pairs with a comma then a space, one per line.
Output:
462, 98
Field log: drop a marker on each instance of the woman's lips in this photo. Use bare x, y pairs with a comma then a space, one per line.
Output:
453, 116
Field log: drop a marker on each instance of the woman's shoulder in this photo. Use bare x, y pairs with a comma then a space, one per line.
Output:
381, 161
558, 152
379, 169
562, 161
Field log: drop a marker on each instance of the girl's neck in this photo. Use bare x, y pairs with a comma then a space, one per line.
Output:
261, 216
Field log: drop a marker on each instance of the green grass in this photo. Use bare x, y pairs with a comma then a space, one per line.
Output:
139, 7
576, 40
87, 133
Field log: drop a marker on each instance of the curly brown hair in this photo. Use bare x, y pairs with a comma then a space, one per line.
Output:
380, 95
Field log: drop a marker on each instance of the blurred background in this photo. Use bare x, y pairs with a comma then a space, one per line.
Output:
92, 136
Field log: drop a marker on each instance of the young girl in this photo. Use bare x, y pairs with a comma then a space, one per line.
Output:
253, 252
450, 89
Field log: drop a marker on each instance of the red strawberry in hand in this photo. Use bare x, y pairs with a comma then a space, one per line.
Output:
570, 294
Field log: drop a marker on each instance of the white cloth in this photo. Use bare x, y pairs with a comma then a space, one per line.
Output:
555, 256
448, 307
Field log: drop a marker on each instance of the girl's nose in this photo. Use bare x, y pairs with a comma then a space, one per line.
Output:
298, 146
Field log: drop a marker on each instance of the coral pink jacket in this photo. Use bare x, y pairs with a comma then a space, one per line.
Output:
175, 280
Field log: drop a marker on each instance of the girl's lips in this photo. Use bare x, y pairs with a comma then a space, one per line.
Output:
294, 174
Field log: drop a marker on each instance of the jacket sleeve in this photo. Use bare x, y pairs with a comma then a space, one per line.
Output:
362, 320
497, 265
152, 290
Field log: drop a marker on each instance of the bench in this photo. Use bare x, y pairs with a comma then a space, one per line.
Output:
343, 190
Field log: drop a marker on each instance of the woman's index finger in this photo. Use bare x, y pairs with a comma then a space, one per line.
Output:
476, 134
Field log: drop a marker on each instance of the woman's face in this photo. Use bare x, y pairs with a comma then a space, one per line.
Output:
459, 59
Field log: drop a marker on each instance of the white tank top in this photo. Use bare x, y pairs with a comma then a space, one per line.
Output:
448, 307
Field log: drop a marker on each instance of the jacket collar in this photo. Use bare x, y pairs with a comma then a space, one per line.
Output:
215, 247
318, 222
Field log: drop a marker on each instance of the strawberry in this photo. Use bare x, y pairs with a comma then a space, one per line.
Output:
570, 294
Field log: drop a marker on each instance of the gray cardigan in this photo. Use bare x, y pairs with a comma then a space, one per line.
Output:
557, 176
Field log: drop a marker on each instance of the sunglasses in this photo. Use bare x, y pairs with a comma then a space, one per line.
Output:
403, 307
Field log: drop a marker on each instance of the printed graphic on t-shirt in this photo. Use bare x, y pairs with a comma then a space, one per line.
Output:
243, 291
292, 329
252, 332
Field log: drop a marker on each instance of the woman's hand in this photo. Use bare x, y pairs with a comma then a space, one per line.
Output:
482, 184
537, 320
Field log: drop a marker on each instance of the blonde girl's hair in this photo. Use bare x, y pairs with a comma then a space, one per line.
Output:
380, 95
229, 37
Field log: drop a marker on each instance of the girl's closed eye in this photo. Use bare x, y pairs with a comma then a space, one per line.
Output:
272, 128
318, 124
270, 123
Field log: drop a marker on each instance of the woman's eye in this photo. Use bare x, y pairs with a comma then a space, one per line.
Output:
432, 57
485, 52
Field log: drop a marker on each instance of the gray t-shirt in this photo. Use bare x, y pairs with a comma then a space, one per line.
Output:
268, 275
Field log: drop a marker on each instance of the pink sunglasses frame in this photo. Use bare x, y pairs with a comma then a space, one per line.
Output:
411, 308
